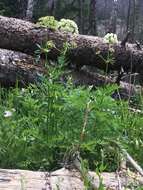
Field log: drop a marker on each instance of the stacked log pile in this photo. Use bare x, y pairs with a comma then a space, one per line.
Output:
21, 36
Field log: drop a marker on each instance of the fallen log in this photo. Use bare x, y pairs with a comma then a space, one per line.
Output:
17, 67
64, 179
84, 77
24, 36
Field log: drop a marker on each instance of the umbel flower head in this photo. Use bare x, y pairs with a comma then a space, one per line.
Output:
65, 25
68, 25
48, 21
110, 38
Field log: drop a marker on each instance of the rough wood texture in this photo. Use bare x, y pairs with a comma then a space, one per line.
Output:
21, 68
62, 179
87, 78
18, 67
23, 36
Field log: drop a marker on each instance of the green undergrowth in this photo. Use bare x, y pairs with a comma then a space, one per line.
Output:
38, 124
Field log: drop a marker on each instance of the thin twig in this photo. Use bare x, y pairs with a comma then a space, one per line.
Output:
132, 161
85, 120
129, 158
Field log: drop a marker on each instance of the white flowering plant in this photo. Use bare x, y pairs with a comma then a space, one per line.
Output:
111, 38
64, 25
48, 21
68, 25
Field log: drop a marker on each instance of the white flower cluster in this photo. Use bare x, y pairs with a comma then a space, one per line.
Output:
65, 25
48, 21
68, 25
9, 113
111, 38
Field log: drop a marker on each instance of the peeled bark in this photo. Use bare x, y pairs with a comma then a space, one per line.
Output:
24, 36
16, 67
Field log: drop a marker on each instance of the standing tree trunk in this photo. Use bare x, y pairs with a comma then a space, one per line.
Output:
80, 16
113, 21
51, 7
128, 15
137, 19
26, 9
29, 10
92, 18
106, 15
22, 9
133, 20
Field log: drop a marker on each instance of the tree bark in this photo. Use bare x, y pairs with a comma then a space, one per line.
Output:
84, 77
80, 16
113, 19
24, 36
64, 179
19, 68
22, 9
16, 67
128, 15
29, 10
51, 6
92, 18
